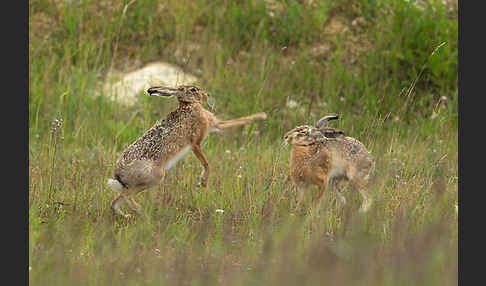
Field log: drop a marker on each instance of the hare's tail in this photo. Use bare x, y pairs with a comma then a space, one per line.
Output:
115, 185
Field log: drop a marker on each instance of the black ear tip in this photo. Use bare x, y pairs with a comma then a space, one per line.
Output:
333, 117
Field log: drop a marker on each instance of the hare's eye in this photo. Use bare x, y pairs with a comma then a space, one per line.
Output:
193, 89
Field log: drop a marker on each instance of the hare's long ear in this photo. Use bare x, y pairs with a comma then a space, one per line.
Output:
322, 122
162, 91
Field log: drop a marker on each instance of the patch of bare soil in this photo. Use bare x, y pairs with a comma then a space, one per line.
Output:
41, 26
349, 36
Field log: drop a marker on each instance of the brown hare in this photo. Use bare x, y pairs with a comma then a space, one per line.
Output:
325, 156
143, 163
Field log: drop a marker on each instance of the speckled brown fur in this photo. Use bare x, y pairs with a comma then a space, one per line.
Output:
187, 125
143, 163
322, 160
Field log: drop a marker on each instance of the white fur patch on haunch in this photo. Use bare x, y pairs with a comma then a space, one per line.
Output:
177, 157
115, 186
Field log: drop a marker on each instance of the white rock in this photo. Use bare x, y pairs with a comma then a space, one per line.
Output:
126, 88
292, 103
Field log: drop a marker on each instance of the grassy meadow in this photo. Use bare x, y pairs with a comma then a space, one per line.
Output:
388, 67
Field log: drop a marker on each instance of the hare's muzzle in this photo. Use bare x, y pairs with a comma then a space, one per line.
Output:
162, 91
287, 139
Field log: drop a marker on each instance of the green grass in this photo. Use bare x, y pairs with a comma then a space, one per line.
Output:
250, 62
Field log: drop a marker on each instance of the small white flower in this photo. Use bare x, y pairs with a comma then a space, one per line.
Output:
219, 211
342, 98
228, 151
240, 176
292, 103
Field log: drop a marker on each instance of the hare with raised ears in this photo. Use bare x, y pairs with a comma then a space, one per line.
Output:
143, 163
325, 156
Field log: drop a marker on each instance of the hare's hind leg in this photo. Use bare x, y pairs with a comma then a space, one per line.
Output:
221, 125
361, 186
205, 173
134, 206
126, 197
367, 200
334, 184
360, 181
115, 205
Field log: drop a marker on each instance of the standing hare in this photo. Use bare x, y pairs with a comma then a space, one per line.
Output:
325, 156
143, 163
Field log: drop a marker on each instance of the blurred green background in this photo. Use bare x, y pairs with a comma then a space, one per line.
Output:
388, 67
